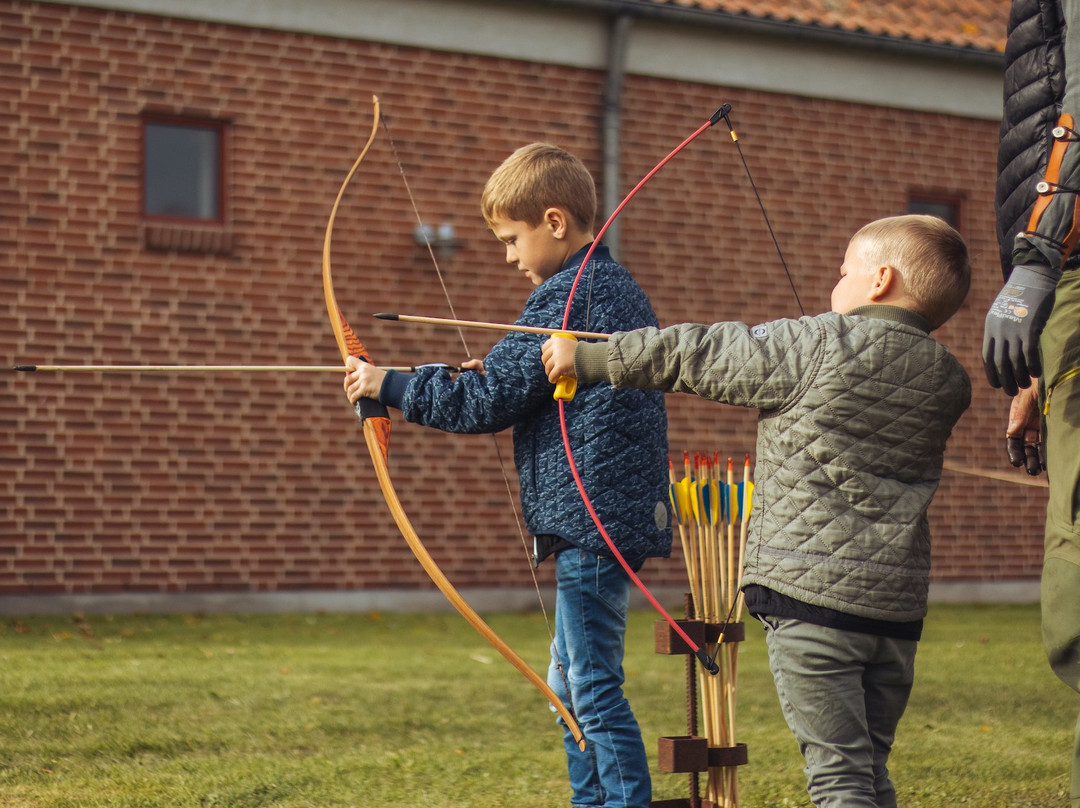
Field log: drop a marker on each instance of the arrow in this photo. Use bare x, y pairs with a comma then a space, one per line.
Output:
222, 368
527, 329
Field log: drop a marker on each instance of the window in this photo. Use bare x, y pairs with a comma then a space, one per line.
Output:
183, 169
944, 207
184, 205
948, 208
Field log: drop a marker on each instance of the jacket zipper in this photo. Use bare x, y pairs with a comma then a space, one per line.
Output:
1064, 377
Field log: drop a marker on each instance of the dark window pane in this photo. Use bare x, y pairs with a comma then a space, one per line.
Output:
183, 167
949, 211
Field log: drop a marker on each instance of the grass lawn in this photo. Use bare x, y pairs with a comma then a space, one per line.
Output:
387, 710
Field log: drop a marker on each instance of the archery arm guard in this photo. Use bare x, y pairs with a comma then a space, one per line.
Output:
1053, 229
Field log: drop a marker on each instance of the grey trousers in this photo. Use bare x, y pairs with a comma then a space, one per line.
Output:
842, 693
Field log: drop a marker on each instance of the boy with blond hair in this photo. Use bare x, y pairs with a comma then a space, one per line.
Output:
541, 203
856, 406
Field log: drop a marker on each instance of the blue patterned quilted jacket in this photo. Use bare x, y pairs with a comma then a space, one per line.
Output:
618, 437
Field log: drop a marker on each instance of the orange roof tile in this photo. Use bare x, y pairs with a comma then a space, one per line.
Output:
975, 24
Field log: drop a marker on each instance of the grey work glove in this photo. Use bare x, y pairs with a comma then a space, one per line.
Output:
1013, 324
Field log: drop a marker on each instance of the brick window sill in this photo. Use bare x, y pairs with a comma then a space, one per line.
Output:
187, 237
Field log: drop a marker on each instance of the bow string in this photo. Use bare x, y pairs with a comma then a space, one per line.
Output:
721, 114
703, 656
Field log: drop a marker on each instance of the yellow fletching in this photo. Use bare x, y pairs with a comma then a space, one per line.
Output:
746, 491
673, 498
685, 499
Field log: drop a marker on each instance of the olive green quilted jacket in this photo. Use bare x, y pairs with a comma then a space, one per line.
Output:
855, 411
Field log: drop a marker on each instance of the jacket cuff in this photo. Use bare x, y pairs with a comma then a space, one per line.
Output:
590, 362
1026, 253
393, 387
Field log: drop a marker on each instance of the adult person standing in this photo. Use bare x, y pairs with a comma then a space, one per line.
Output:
1031, 342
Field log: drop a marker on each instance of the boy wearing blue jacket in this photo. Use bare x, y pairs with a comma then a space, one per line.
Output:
541, 204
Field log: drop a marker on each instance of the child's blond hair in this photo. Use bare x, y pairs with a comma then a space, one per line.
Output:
930, 256
537, 177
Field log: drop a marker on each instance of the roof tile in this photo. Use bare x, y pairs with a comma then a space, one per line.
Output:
975, 24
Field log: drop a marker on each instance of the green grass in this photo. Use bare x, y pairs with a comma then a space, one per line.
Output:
390, 710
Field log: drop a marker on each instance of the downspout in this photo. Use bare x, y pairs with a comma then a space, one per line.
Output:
618, 38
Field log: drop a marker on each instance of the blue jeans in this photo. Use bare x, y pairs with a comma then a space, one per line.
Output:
590, 631
842, 693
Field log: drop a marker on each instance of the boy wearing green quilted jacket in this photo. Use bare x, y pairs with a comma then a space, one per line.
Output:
856, 406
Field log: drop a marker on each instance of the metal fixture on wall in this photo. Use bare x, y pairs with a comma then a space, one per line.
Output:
440, 238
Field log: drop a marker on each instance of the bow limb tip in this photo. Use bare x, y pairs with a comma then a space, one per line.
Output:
580, 739
720, 114
707, 661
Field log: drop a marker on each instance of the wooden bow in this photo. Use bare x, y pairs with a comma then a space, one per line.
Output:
703, 656
376, 424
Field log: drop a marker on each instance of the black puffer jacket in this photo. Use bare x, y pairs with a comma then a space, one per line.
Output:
1034, 85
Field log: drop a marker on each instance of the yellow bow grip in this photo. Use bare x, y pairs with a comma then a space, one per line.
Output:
566, 386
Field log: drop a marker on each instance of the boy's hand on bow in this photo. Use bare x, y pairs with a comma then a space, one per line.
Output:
558, 356
363, 380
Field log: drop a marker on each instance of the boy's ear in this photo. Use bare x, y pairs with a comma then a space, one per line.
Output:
555, 219
886, 280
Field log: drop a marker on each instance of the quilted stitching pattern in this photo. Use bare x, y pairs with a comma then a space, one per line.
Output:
619, 437
855, 414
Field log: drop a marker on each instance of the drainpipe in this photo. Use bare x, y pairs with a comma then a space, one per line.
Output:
618, 38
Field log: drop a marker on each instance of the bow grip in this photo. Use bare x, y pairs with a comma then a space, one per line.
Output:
367, 407
566, 386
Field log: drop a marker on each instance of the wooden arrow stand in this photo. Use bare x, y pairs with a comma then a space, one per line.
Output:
691, 753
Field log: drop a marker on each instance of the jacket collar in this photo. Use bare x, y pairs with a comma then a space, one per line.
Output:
599, 254
897, 314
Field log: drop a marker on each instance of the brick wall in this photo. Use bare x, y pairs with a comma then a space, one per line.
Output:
188, 483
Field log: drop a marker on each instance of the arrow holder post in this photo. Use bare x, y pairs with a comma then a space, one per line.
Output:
692, 753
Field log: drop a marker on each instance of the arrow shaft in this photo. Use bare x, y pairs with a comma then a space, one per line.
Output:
214, 368
527, 329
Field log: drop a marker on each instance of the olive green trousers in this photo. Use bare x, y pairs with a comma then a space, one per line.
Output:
1059, 346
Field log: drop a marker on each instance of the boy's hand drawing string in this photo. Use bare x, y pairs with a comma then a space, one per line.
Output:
565, 392
376, 425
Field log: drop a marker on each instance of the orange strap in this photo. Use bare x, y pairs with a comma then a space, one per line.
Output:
1048, 188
